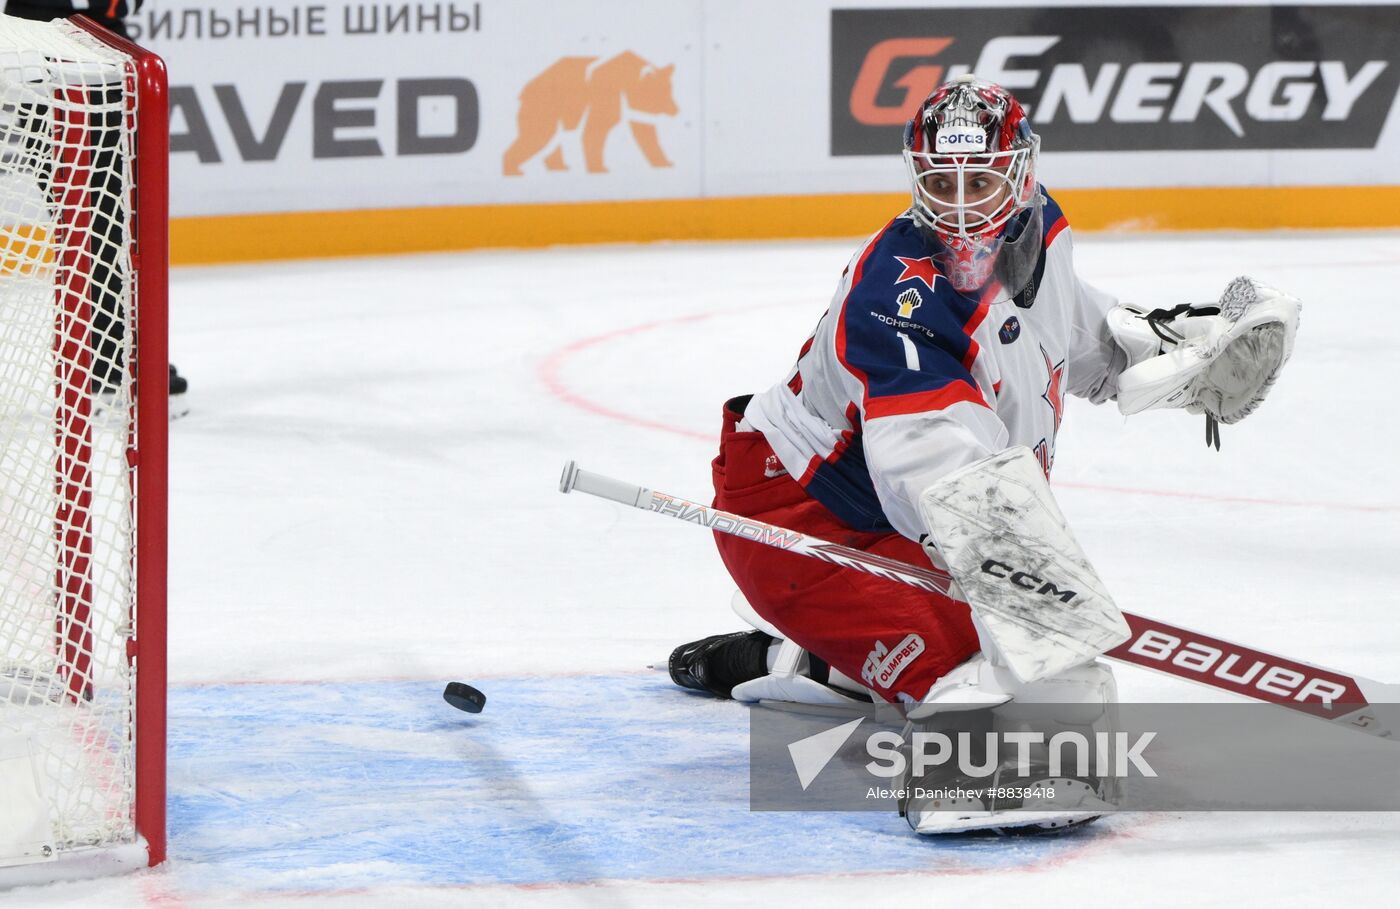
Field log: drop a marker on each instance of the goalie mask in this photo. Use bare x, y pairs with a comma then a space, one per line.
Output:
972, 155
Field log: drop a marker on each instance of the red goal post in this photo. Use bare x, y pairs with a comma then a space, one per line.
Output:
84, 142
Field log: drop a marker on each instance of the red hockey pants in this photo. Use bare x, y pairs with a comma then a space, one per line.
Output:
895, 639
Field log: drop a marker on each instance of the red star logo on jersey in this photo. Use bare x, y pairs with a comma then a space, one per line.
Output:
920, 269
1054, 394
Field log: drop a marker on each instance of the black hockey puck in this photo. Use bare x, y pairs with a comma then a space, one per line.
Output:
464, 697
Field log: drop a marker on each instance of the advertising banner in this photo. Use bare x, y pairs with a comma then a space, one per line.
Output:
491, 105
1142, 96
314, 106
1127, 78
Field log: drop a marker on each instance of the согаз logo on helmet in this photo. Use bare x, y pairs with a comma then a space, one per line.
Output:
582, 92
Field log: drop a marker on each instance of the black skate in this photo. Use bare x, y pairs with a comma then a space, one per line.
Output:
717, 663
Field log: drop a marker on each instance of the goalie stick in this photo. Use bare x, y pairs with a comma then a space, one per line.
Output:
1342, 699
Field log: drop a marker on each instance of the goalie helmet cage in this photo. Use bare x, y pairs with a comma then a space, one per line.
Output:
84, 143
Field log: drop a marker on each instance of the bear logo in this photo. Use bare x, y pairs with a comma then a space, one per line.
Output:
574, 91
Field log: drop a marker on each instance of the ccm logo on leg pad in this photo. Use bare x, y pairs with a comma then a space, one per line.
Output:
1026, 580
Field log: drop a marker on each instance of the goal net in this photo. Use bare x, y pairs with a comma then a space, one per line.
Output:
83, 365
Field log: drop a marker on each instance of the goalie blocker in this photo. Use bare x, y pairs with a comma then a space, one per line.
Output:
1040, 607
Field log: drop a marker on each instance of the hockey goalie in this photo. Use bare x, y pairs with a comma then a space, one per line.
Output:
920, 422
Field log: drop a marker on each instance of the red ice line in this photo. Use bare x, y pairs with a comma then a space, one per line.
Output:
551, 370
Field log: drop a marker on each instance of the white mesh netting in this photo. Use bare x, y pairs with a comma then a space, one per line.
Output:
66, 423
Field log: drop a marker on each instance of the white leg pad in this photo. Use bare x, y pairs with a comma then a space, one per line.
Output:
973, 685
1087, 695
740, 604
1031, 586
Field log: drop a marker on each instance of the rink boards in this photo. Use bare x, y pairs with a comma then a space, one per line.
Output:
389, 127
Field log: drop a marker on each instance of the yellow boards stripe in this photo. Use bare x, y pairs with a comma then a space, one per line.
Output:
298, 235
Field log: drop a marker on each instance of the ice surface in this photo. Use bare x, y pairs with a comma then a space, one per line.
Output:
364, 507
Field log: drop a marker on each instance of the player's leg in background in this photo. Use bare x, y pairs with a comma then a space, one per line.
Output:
108, 235
108, 185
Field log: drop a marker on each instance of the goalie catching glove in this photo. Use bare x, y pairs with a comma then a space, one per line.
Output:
1220, 359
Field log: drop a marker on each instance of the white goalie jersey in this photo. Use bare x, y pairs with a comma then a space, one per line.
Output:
905, 379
